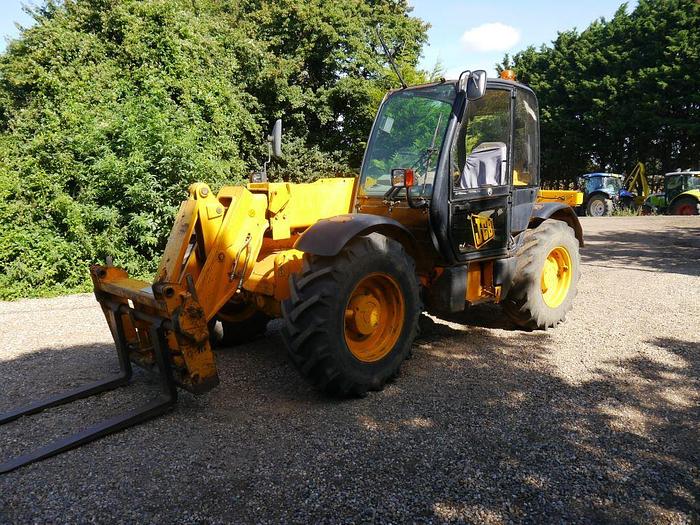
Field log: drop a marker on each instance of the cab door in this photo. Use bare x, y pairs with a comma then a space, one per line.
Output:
480, 162
525, 164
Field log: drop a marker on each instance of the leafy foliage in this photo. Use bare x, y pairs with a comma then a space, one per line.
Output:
621, 91
109, 109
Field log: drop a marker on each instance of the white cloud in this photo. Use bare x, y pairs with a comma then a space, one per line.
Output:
490, 37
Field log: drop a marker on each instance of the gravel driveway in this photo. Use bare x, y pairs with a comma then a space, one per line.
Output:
595, 421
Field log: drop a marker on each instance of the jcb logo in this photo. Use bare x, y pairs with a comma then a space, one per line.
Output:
482, 228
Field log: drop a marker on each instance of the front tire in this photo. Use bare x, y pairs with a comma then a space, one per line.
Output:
599, 206
351, 319
547, 274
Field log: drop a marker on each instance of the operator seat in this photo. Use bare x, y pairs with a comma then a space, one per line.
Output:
485, 166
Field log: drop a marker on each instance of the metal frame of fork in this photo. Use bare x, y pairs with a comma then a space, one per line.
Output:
154, 408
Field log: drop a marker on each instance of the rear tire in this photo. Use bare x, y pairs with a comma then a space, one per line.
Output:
240, 323
685, 205
539, 298
599, 206
351, 319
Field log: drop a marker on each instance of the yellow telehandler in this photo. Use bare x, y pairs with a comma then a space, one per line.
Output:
442, 216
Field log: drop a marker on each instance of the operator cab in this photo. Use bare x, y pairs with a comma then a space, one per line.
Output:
678, 182
610, 183
457, 166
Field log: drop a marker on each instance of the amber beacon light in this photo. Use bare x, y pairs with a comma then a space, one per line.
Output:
508, 74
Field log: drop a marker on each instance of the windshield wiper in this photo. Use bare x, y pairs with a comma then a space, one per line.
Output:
424, 159
428, 152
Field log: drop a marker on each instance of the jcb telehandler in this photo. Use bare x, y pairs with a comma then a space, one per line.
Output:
443, 215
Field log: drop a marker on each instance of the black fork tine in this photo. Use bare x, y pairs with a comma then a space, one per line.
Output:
83, 391
101, 429
65, 397
154, 408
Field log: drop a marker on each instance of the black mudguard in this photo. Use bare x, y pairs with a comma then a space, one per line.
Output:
328, 236
558, 211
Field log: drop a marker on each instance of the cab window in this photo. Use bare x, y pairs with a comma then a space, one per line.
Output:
526, 154
480, 153
674, 185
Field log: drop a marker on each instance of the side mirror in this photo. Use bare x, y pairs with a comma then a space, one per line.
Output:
402, 178
476, 84
275, 139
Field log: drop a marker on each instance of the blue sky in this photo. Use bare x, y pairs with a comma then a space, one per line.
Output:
476, 34
10, 14
465, 34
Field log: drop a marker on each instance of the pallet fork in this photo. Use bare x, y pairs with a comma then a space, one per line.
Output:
158, 406
155, 327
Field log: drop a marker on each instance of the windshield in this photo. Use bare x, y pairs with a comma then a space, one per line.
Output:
694, 182
678, 183
408, 133
612, 184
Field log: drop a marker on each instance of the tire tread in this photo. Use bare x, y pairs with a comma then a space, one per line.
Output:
305, 313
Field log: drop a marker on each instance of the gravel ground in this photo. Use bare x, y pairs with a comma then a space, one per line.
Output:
594, 421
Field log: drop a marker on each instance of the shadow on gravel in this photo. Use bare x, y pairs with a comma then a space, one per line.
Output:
620, 447
477, 429
675, 250
50, 371
487, 315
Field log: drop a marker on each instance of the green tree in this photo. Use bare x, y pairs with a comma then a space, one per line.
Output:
109, 109
621, 91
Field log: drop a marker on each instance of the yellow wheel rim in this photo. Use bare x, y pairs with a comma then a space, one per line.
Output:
556, 276
374, 317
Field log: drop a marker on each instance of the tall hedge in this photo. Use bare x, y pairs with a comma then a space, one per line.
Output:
109, 109
622, 90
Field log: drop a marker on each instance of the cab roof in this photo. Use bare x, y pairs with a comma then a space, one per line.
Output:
491, 82
601, 174
686, 172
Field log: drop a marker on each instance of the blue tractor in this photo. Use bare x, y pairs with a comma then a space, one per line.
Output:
603, 193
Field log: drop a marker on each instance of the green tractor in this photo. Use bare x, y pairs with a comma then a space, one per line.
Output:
681, 195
